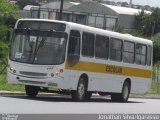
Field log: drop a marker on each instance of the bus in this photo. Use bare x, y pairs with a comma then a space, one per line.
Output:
69, 58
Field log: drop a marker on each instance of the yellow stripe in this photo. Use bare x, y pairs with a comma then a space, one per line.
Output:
110, 69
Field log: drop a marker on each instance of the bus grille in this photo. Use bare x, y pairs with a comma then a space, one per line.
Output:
32, 73
32, 82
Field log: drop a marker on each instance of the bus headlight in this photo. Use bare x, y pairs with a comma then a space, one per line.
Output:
11, 69
61, 70
14, 71
52, 74
57, 73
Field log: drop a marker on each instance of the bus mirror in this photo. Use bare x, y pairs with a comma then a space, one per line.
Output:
72, 59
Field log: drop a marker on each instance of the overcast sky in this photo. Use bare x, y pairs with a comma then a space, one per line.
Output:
155, 3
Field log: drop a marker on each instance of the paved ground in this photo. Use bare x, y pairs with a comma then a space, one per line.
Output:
65, 105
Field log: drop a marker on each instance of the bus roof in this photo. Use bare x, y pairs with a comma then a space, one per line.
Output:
99, 31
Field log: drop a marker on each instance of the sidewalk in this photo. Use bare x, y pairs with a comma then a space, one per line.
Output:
19, 93
10, 93
146, 96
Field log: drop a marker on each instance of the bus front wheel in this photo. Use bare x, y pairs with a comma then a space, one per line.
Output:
31, 91
88, 95
80, 93
123, 96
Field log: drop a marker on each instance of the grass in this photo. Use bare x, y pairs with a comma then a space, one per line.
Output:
154, 87
9, 87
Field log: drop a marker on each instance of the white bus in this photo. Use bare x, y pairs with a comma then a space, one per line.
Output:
78, 59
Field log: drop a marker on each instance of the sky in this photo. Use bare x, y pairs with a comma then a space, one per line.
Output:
153, 3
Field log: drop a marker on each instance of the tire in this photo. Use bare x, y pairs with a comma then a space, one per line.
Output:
102, 93
80, 93
122, 97
31, 91
88, 95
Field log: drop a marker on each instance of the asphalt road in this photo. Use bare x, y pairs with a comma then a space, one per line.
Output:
64, 105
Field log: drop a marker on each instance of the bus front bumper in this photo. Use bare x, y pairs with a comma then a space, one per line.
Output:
51, 82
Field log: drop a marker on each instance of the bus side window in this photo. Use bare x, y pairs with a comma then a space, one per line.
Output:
140, 57
74, 48
149, 55
101, 47
116, 49
88, 44
128, 52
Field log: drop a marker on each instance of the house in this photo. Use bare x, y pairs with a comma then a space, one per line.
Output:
93, 14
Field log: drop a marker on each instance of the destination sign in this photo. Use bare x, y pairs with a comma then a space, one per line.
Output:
114, 69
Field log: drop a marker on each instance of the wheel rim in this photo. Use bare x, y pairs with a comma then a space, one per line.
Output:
125, 92
81, 90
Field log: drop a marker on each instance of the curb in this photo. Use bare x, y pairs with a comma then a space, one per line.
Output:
8, 93
148, 96
18, 93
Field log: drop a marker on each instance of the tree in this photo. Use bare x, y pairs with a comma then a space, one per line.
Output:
156, 49
7, 7
149, 24
8, 14
144, 22
155, 18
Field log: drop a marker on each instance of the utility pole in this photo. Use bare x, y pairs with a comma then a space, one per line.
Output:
130, 4
153, 29
61, 10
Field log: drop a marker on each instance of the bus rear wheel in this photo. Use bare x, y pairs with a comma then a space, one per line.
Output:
122, 97
80, 93
31, 91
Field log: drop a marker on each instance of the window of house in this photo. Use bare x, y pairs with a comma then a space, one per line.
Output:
99, 22
44, 16
92, 21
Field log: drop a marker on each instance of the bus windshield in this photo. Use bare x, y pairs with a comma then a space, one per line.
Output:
38, 47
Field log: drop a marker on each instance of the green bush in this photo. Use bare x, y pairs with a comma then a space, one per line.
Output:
8, 15
4, 44
9, 87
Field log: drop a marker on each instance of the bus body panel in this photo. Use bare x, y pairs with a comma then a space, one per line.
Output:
36, 75
97, 81
109, 82
101, 78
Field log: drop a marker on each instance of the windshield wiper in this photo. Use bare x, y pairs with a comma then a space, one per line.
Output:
41, 44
